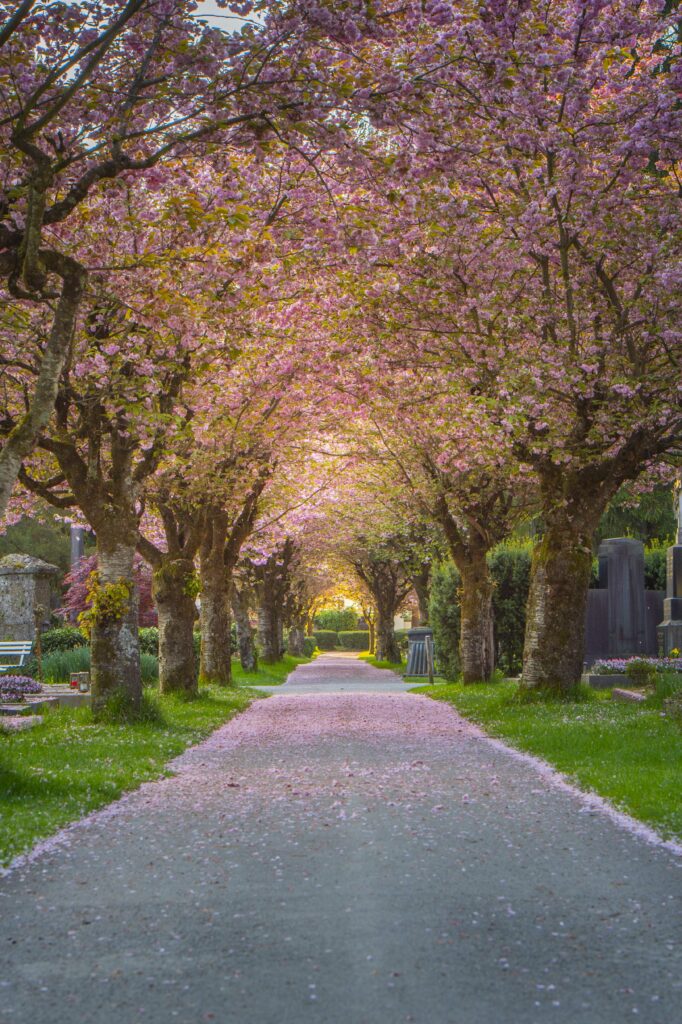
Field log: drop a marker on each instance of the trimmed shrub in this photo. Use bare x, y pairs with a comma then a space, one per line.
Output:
309, 646
444, 618
149, 640
510, 569
337, 619
64, 638
402, 641
654, 567
326, 639
354, 639
641, 672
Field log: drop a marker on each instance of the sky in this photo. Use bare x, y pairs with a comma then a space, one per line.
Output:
220, 18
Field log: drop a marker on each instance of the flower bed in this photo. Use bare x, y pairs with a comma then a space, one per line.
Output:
16, 688
619, 666
641, 673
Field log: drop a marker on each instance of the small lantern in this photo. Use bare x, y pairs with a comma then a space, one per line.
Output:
73, 681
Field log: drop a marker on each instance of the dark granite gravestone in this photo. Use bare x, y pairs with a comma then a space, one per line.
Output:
670, 630
622, 616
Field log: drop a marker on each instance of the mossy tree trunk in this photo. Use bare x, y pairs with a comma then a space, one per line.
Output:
214, 614
388, 585
114, 638
554, 642
268, 630
296, 638
272, 585
477, 652
22, 436
248, 656
469, 539
174, 597
386, 643
421, 583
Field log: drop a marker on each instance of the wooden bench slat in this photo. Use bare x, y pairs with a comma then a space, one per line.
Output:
19, 648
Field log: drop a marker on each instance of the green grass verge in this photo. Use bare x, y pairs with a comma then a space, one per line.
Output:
70, 765
267, 675
629, 753
393, 666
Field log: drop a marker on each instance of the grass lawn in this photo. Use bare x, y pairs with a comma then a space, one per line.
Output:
628, 753
267, 675
371, 660
69, 765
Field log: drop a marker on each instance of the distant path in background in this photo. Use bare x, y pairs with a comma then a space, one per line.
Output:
341, 672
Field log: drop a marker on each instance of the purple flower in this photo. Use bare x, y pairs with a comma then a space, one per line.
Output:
15, 688
618, 666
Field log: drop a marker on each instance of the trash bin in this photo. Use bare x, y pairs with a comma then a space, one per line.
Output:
417, 654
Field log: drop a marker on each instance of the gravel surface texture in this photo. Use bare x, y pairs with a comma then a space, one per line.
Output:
341, 672
344, 858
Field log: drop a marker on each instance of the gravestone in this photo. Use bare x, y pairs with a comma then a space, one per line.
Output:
670, 630
26, 584
77, 535
622, 617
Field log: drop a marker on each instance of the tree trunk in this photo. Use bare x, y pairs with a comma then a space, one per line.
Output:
214, 618
177, 612
114, 639
421, 584
247, 649
372, 637
268, 631
386, 644
296, 639
555, 618
477, 649
22, 439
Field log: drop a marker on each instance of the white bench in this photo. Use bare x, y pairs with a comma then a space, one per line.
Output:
20, 649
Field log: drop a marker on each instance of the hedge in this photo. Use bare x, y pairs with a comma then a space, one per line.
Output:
354, 639
149, 640
326, 639
510, 569
403, 641
336, 619
62, 638
444, 619
309, 646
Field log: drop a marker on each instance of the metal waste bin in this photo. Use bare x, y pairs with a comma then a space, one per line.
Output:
419, 651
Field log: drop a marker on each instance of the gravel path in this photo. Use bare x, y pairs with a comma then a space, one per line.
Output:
341, 672
344, 858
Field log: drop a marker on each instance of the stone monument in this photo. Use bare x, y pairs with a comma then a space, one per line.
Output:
26, 584
622, 616
670, 630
